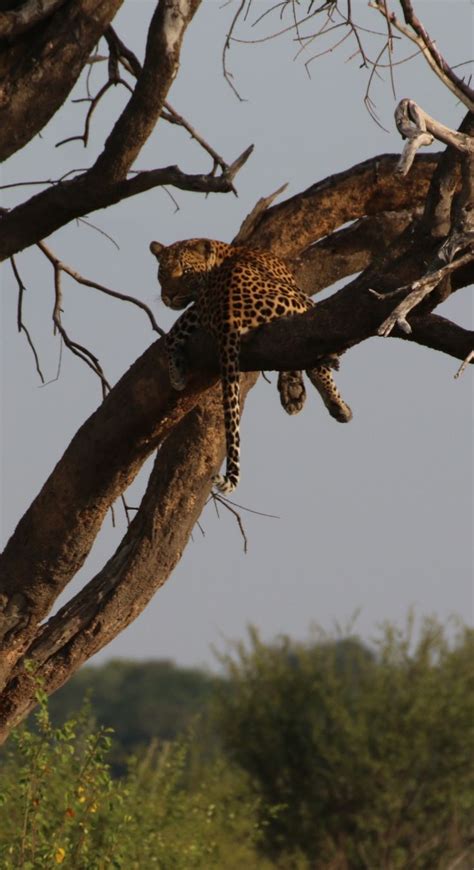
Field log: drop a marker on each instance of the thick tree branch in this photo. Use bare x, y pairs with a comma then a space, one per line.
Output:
369, 188
39, 70
132, 129
142, 563
349, 250
31, 12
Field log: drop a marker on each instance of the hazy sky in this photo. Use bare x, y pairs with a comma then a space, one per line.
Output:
375, 516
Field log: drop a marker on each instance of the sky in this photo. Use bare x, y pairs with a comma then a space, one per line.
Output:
372, 518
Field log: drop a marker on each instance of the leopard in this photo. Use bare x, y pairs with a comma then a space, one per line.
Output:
235, 289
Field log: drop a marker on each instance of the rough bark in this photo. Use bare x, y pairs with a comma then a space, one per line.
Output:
41, 67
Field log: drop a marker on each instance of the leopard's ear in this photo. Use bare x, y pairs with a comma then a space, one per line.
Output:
204, 247
157, 249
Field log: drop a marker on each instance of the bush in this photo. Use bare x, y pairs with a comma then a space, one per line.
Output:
369, 756
61, 805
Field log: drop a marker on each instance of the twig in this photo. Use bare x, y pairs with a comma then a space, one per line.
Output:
19, 317
420, 289
99, 230
63, 267
127, 509
78, 349
225, 70
464, 364
94, 102
225, 503
417, 34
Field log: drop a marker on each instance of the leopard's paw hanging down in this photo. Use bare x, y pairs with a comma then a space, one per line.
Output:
292, 391
234, 289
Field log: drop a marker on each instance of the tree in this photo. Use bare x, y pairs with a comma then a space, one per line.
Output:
365, 754
421, 206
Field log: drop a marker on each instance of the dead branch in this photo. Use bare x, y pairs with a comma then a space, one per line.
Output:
464, 364
420, 129
349, 250
437, 218
418, 291
253, 218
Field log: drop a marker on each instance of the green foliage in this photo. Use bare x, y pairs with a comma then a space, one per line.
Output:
139, 700
336, 757
60, 805
368, 757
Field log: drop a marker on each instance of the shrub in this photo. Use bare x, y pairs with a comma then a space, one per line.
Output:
369, 756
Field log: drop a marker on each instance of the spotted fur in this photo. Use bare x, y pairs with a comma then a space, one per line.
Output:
235, 289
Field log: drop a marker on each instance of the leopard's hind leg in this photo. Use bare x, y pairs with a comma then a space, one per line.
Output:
322, 378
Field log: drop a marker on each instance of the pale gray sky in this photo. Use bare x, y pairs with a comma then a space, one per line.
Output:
376, 515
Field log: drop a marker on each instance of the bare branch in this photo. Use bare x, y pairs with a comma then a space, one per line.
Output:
60, 266
19, 319
50, 209
417, 34
366, 189
78, 349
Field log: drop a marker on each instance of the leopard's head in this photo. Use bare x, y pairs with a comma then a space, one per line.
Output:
182, 268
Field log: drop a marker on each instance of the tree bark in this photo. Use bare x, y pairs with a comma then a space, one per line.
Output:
39, 69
